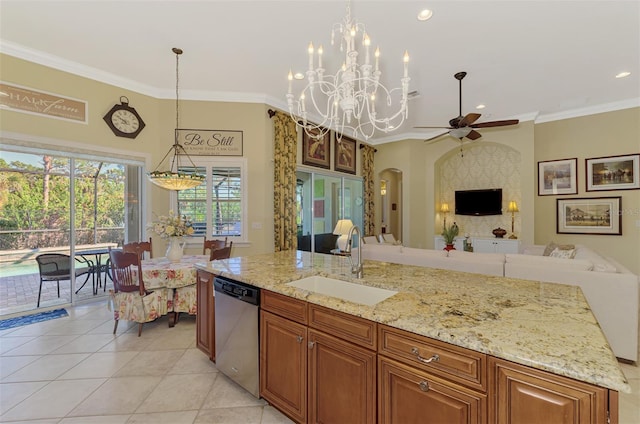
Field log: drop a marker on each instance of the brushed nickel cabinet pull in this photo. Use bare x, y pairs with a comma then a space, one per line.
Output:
434, 358
299, 339
424, 386
311, 345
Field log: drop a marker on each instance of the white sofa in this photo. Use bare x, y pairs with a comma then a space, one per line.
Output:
612, 290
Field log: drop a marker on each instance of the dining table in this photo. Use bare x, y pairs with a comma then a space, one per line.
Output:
178, 277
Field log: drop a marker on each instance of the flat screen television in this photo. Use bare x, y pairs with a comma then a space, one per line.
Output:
479, 202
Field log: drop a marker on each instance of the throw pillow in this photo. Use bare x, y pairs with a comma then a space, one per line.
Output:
549, 248
559, 252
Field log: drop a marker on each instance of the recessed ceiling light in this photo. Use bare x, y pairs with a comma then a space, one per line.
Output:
480, 106
425, 15
623, 74
299, 75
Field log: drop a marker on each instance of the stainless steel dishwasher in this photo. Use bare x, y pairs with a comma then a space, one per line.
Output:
237, 340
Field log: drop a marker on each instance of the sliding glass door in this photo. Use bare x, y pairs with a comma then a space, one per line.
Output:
62, 203
323, 199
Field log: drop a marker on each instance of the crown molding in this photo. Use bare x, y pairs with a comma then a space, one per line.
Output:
55, 62
590, 110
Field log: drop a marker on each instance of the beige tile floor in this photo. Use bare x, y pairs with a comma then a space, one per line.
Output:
74, 370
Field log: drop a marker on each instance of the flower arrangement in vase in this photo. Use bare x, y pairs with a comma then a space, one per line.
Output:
449, 234
172, 227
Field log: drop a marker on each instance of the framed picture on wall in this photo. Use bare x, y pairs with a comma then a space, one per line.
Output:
345, 156
613, 173
558, 177
596, 215
316, 148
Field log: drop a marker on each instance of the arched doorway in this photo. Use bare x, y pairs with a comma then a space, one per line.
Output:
391, 202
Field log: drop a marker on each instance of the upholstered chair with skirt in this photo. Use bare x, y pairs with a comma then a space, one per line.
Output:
130, 300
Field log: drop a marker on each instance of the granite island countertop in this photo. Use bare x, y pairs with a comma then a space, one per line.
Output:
542, 325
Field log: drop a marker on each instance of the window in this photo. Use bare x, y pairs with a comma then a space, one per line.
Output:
217, 206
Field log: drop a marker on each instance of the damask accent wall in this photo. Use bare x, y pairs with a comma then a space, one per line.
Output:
483, 166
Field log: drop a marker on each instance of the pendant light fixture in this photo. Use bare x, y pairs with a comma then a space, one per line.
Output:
172, 177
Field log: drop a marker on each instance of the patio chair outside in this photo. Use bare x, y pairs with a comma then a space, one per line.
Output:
57, 267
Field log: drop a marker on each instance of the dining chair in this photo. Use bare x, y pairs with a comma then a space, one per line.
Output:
223, 253
213, 244
130, 300
57, 266
139, 247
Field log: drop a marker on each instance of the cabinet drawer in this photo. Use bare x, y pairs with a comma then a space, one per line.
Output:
454, 363
285, 306
348, 327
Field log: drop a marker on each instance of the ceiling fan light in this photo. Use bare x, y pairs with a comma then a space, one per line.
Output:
460, 132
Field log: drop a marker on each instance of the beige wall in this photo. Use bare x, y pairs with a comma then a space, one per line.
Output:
590, 136
154, 141
605, 134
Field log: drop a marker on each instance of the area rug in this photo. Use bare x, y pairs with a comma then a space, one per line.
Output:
32, 319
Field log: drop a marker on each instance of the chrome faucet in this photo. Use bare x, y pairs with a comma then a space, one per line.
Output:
356, 269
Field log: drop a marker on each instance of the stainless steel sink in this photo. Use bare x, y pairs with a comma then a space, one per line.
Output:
344, 290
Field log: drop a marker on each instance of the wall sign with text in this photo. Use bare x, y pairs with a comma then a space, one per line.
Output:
210, 142
36, 102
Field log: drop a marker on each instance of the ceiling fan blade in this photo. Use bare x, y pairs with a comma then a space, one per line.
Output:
474, 135
495, 123
432, 139
469, 119
448, 128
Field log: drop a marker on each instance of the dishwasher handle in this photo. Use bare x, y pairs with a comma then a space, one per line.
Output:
237, 290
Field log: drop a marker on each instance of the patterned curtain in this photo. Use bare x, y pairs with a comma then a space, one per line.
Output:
284, 183
368, 183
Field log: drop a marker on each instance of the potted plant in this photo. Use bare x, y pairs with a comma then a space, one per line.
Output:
449, 234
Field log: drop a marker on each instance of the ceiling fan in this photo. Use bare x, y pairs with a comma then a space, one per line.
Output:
463, 126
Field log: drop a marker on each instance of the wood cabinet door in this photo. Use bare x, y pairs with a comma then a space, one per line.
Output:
283, 365
342, 381
205, 318
411, 396
526, 395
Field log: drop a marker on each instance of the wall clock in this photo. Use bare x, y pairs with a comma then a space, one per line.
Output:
124, 120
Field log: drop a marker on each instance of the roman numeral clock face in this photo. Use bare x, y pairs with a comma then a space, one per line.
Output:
124, 120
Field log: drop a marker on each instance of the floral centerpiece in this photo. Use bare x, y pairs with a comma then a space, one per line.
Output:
171, 225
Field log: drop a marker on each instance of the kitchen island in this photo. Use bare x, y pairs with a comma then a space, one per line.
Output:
541, 326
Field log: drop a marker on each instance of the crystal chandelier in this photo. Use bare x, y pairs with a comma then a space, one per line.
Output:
346, 101
172, 178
